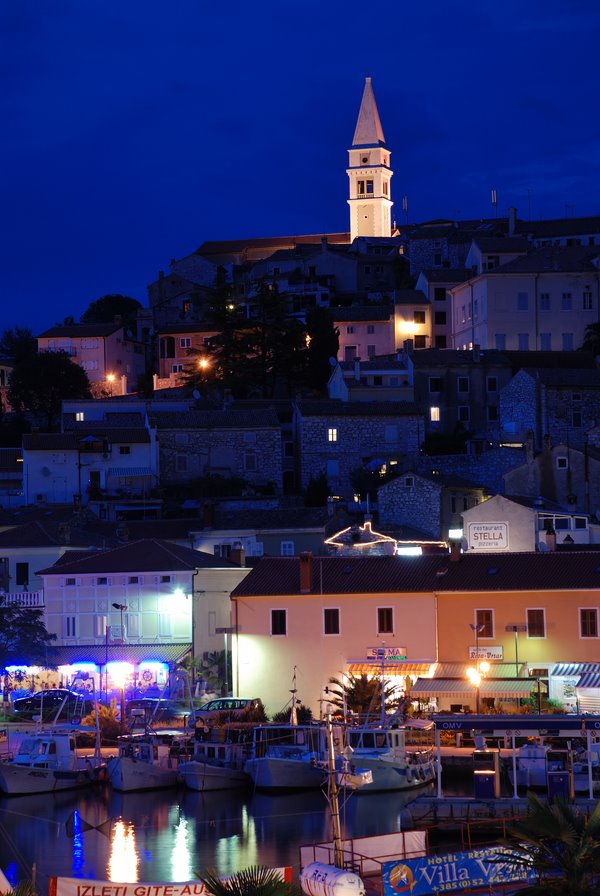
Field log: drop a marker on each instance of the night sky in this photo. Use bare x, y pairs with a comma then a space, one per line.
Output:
134, 131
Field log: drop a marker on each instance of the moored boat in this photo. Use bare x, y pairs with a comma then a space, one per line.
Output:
288, 757
383, 751
148, 761
216, 765
46, 762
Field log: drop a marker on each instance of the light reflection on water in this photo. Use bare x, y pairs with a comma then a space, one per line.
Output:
174, 835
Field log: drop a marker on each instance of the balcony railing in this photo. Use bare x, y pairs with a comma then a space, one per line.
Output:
31, 599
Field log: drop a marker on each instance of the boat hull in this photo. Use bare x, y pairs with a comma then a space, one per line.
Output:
127, 774
203, 776
274, 773
18, 780
390, 776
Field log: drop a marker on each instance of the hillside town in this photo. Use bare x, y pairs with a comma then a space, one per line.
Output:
333, 454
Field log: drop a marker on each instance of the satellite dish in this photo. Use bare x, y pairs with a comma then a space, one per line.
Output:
333, 362
196, 394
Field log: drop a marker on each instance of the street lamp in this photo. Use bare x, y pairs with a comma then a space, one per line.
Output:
475, 674
110, 378
122, 608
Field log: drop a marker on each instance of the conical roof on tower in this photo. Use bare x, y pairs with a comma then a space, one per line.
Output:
368, 127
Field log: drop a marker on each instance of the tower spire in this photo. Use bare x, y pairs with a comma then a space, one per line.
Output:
369, 173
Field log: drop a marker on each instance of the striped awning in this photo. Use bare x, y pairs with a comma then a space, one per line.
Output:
571, 670
589, 680
461, 687
120, 653
459, 670
129, 472
401, 668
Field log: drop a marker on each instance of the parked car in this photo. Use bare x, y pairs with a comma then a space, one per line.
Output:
147, 707
232, 707
47, 703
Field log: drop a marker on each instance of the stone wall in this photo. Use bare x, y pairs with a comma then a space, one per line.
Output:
413, 501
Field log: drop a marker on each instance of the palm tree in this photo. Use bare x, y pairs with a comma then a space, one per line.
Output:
560, 845
359, 694
254, 881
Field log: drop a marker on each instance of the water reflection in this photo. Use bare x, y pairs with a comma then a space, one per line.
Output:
174, 835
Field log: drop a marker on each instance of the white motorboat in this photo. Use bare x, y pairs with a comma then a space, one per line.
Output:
148, 761
216, 765
383, 751
288, 757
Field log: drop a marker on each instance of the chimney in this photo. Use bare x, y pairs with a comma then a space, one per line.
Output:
357, 369
324, 243
551, 539
238, 554
455, 551
306, 572
512, 220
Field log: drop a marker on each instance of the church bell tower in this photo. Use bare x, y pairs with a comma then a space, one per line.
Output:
369, 173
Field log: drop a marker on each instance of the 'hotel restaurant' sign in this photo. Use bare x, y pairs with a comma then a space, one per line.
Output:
454, 871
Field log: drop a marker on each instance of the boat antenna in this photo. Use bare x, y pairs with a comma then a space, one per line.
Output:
333, 798
381, 653
294, 710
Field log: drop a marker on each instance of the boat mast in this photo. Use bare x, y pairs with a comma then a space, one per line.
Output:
382, 655
333, 798
293, 710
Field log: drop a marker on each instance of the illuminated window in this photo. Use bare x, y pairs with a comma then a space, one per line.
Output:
332, 434
434, 415
80, 416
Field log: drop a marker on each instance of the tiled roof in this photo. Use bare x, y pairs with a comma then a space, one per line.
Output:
79, 331
446, 275
410, 297
501, 244
549, 571
230, 419
561, 227
112, 431
333, 408
44, 533
570, 378
49, 441
146, 555
551, 259
218, 247
378, 363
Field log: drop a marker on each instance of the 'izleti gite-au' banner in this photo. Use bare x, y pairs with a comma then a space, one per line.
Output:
74, 886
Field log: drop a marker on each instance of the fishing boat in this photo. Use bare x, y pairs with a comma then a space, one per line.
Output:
216, 764
288, 757
148, 760
382, 750
48, 759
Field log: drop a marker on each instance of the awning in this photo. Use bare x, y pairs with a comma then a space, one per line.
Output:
120, 653
390, 669
572, 670
459, 670
461, 687
129, 472
589, 680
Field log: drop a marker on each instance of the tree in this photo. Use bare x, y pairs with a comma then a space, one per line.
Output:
591, 339
254, 881
40, 384
560, 845
317, 491
113, 305
360, 694
323, 344
18, 345
24, 639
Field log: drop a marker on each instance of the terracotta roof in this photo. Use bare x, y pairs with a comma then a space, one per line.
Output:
473, 572
333, 408
551, 259
146, 555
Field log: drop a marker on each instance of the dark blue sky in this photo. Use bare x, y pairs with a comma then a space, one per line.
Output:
133, 131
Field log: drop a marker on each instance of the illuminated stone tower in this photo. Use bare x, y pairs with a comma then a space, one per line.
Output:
369, 173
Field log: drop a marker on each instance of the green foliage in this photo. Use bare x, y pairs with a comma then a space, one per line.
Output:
108, 721
324, 343
18, 345
212, 669
24, 888
41, 383
303, 714
24, 639
105, 309
317, 491
560, 844
254, 881
360, 695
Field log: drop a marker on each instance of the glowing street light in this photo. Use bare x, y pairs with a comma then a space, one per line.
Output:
110, 378
474, 675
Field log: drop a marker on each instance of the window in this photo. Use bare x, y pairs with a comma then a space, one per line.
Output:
69, 583
103, 580
588, 622
176, 368
464, 413
587, 300
435, 384
485, 618
420, 341
546, 342
491, 384
79, 416
523, 342
463, 312
332, 434
536, 624
418, 317
440, 342
22, 573
70, 631
409, 481
544, 301
580, 522
434, 415
500, 340
385, 620
439, 294
331, 621
360, 187
370, 329
279, 622
566, 302
250, 461
124, 449
439, 318
567, 342
370, 187
562, 463
165, 579
371, 351
522, 301
492, 413
100, 626
222, 550
350, 330
287, 549
385, 188
463, 384
133, 580
577, 420
185, 342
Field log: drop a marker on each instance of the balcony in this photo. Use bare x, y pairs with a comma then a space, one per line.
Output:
33, 600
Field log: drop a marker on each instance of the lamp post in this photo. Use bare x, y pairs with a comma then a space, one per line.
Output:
516, 629
475, 675
121, 608
225, 630
110, 378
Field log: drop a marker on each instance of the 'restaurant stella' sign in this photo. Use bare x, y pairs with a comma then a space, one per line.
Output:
487, 536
